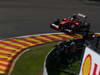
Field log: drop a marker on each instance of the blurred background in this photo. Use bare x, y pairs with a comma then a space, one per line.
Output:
26, 17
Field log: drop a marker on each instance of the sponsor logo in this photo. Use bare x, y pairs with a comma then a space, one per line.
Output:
90, 67
87, 65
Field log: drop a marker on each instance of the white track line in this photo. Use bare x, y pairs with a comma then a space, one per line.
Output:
14, 61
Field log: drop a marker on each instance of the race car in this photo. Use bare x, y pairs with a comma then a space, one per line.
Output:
68, 52
74, 24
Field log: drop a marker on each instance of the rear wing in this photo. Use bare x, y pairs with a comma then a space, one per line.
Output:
82, 15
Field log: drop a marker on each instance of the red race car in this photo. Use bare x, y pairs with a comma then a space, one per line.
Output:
74, 24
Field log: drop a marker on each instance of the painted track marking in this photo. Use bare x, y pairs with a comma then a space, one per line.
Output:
11, 48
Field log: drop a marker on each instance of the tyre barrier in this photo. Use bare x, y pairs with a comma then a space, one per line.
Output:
12, 47
54, 60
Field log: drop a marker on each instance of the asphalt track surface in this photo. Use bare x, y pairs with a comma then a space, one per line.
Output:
25, 17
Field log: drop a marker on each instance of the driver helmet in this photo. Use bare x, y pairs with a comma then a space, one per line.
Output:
75, 16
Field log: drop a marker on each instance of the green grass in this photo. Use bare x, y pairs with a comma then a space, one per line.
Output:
31, 62
74, 69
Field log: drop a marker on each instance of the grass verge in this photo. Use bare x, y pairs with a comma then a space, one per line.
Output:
31, 62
